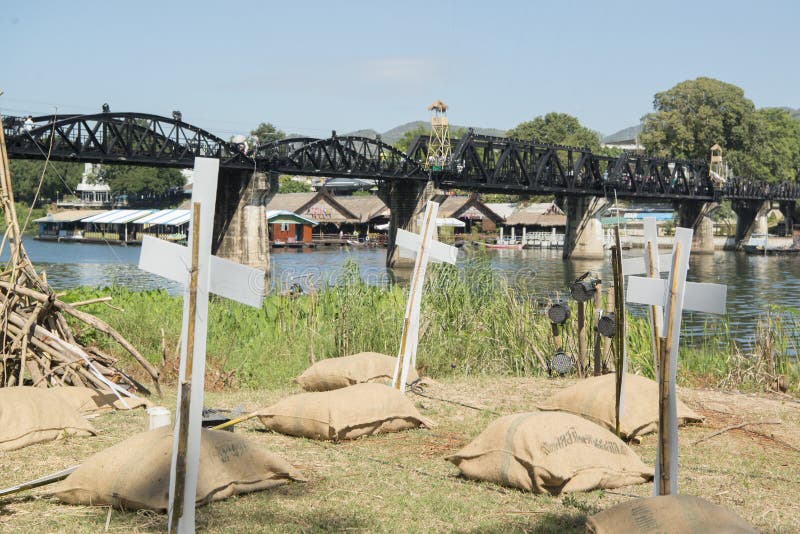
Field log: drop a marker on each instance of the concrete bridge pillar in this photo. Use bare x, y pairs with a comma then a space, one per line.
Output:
405, 199
694, 214
241, 232
583, 237
789, 210
750, 218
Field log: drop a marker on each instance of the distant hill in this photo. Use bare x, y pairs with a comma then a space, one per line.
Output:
393, 135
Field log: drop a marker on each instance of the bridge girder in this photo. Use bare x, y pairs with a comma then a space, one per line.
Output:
122, 138
479, 163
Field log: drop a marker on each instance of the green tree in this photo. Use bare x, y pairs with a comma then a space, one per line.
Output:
408, 137
136, 180
558, 129
59, 180
759, 144
771, 150
696, 114
287, 185
267, 133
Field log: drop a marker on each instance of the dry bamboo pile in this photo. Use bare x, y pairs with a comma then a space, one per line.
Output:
37, 344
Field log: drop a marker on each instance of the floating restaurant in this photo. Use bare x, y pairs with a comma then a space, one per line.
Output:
116, 227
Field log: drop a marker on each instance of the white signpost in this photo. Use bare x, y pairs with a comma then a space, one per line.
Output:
675, 294
425, 249
201, 273
650, 265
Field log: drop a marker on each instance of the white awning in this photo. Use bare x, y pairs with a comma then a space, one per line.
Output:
440, 221
166, 217
117, 216
449, 221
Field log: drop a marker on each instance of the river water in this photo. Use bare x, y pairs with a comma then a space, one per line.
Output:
754, 282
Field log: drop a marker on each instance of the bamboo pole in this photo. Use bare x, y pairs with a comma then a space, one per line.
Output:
664, 398
186, 383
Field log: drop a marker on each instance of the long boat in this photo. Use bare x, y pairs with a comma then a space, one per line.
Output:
504, 245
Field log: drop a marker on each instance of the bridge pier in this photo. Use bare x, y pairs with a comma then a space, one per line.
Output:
789, 210
583, 236
405, 199
241, 232
694, 214
750, 217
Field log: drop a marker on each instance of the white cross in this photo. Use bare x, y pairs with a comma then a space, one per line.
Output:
425, 249
212, 274
650, 265
675, 294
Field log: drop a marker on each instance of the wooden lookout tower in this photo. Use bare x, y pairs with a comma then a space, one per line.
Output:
716, 169
439, 142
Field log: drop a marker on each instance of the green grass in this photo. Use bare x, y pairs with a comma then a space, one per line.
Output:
473, 323
401, 482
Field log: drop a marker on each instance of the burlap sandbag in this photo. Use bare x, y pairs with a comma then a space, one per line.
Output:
87, 400
335, 373
134, 474
595, 398
670, 514
345, 413
550, 452
31, 415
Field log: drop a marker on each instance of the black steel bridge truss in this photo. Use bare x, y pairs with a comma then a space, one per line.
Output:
479, 163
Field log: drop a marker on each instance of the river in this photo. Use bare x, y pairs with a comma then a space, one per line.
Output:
753, 281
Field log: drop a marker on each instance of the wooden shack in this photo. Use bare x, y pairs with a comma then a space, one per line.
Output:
288, 229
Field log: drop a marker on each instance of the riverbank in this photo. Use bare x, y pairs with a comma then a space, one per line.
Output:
474, 323
400, 482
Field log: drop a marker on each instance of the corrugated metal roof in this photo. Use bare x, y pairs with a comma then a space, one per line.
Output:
117, 216
285, 216
166, 217
67, 216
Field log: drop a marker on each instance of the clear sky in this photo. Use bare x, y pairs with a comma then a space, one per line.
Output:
310, 67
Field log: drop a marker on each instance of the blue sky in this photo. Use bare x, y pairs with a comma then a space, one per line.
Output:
310, 67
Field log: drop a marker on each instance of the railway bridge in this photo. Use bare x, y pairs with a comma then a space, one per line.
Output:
580, 180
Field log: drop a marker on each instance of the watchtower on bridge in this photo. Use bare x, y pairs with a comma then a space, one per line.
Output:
716, 169
439, 149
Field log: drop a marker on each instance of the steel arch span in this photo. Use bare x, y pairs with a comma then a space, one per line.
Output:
121, 138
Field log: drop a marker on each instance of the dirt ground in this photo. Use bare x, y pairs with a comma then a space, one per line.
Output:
400, 482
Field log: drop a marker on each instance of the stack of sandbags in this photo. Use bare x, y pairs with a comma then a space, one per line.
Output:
335, 373
595, 399
87, 400
674, 514
550, 452
345, 413
134, 474
31, 415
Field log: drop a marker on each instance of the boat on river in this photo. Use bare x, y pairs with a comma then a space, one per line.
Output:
758, 244
512, 246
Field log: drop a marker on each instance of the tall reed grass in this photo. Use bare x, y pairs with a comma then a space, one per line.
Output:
474, 321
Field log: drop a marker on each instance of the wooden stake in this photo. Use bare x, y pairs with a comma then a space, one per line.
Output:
607, 340
597, 347
186, 383
582, 338
619, 317
664, 398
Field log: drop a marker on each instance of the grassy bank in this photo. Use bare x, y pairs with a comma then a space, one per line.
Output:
474, 323
401, 483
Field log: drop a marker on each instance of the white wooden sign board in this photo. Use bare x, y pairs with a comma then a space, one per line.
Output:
424, 249
641, 265
228, 279
708, 298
